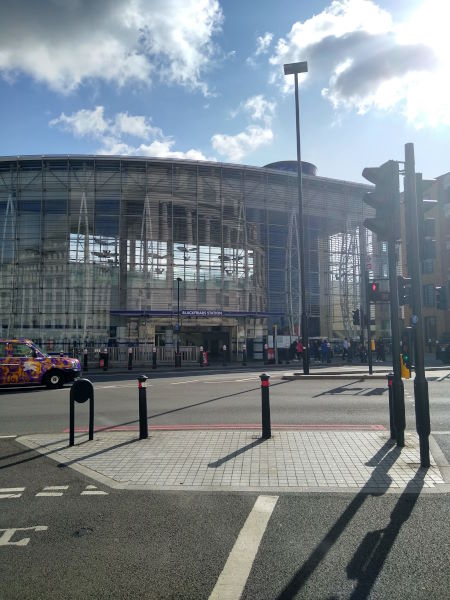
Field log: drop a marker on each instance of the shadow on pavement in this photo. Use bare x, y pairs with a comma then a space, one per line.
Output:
225, 459
371, 554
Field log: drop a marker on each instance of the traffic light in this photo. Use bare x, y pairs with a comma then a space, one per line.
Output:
404, 290
441, 298
405, 364
373, 291
356, 319
385, 200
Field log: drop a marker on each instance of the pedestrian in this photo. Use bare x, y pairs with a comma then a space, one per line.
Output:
324, 349
345, 351
299, 349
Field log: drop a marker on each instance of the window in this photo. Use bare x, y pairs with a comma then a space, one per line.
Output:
22, 351
429, 295
428, 266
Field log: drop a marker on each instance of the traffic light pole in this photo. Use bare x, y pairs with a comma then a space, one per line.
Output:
397, 383
422, 405
365, 301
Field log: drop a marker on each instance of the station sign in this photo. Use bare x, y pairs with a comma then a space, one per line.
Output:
202, 313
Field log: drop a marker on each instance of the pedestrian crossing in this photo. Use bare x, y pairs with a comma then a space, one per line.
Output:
49, 491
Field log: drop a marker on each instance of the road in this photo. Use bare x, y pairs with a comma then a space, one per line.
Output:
220, 398
64, 535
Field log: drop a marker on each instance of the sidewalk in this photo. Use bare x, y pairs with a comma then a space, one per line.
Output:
334, 368
303, 460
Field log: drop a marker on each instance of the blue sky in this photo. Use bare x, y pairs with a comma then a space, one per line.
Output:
203, 79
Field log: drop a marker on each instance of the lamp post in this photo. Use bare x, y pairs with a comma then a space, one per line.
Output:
177, 360
295, 69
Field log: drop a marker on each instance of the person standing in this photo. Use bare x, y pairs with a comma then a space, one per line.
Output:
299, 349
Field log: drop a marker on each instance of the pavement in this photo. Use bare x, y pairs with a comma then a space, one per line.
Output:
296, 459
329, 370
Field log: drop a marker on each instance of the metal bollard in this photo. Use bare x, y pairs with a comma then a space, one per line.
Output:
85, 359
265, 406
143, 422
130, 358
244, 355
390, 378
154, 358
81, 391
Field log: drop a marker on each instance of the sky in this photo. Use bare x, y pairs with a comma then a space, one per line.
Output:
203, 80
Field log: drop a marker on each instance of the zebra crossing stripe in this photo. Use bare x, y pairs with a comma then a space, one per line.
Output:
11, 492
91, 490
50, 490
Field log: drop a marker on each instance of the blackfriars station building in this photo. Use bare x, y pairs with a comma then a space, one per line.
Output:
116, 251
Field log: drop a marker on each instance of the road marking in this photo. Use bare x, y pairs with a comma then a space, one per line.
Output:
233, 578
4, 496
50, 490
8, 533
5, 437
246, 379
91, 490
184, 381
7, 490
442, 378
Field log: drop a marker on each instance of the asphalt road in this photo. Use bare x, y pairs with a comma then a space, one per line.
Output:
218, 398
175, 544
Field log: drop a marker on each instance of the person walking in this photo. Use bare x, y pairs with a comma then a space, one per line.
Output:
324, 349
345, 351
299, 349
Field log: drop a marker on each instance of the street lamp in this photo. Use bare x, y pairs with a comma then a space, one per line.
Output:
295, 69
177, 360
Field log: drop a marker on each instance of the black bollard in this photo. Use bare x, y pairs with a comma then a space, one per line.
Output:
85, 359
265, 406
143, 422
244, 355
390, 378
81, 391
154, 358
130, 358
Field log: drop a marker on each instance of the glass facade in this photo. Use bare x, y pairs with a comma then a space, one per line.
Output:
92, 247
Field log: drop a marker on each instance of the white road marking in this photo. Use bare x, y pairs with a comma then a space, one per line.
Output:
91, 490
8, 490
107, 387
4, 437
8, 533
49, 490
233, 578
442, 378
184, 381
3, 496
247, 379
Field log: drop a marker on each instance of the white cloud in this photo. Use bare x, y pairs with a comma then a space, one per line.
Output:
370, 62
235, 147
113, 134
263, 42
64, 43
260, 108
262, 47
